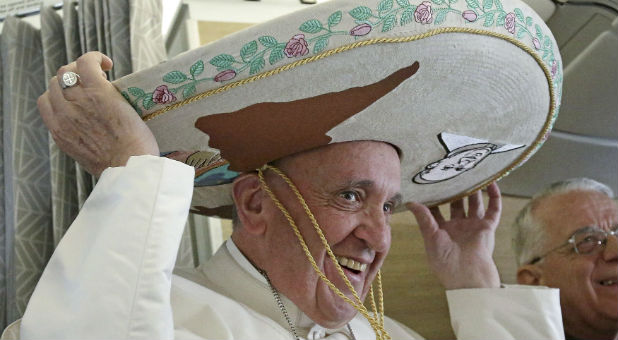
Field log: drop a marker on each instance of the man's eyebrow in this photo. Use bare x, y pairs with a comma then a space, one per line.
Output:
585, 229
397, 199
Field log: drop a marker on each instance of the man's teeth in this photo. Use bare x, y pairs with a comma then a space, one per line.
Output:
351, 264
608, 282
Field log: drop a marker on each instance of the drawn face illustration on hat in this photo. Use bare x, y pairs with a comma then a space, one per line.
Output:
463, 154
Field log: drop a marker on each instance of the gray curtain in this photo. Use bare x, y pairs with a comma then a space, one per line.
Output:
41, 188
27, 188
3, 250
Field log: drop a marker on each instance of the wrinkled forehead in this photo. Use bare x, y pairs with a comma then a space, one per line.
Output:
343, 153
339, 164
565, 213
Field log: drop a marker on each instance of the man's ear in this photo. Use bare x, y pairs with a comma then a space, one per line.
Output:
248, 198
530, 274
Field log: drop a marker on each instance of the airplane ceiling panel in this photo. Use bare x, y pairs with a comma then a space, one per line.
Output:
584, 142
565, 156
590, 92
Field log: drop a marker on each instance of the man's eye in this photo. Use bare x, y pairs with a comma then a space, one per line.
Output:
388, 208
350, 196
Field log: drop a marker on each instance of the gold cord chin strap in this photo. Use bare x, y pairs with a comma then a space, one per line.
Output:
377, 319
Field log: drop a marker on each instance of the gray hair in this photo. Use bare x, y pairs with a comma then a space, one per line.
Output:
529, 234
236, 224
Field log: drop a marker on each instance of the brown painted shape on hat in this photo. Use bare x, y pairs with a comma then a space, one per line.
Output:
263, 132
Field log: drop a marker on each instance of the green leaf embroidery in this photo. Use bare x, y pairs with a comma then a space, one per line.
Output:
361, 13
267, 41
473, 3
407, 16
197, 68
320, 44
126, 96
403, 3
174, 77
136, 91
539, 32
440, 16
547, 42
222, 60
275, 55
188, 91
489, 19
256, 65
519, 14
248, 50
334, 19
385, 6
387, 18
311, 26
501, 18
148, 103
390, 21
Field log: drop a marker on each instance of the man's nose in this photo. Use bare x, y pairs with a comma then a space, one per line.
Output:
375, 230
610, 253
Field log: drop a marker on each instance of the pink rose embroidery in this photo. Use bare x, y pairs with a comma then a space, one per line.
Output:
554, 68
296, 47
537, 43
422, 13
162, 95
469, 15
225, 75
509, 22
360, 30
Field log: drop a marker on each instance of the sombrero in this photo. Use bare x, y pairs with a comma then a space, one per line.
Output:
467, 90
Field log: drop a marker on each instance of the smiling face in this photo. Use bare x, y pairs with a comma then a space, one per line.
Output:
588, 283
351, 188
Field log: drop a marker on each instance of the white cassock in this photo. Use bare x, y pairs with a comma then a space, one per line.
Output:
111, 277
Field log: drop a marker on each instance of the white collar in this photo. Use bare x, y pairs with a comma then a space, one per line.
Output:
242, 261
299, 318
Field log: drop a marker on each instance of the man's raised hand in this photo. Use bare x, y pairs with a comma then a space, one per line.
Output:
91, 121
460, 250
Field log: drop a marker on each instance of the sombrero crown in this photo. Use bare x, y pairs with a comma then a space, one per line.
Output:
467, 90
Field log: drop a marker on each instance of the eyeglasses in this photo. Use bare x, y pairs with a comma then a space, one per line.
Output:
587, 240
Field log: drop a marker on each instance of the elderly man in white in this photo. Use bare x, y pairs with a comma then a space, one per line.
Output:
127, 235
313, 199
565, 237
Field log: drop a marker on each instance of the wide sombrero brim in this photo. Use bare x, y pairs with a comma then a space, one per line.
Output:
481, 95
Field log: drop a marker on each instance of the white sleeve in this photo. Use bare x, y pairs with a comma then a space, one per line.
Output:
513, 312
109, 278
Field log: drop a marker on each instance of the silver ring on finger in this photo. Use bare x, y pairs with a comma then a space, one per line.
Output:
69, 79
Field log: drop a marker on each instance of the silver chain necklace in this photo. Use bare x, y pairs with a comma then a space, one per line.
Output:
285, 311
281, 305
